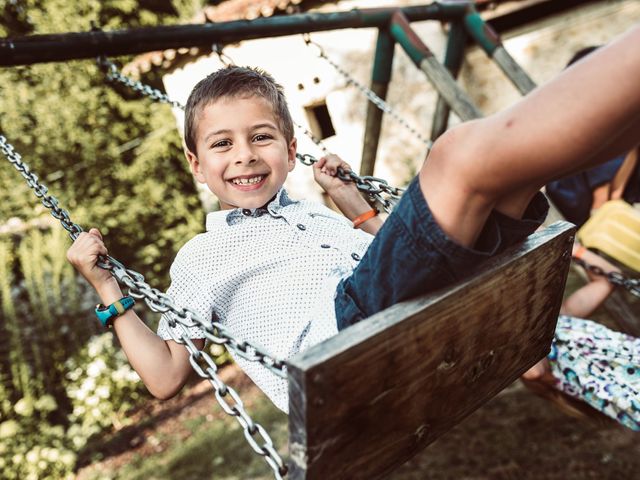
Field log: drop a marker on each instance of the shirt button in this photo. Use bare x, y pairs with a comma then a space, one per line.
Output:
246, 212
301, 226
324, 245
355, 256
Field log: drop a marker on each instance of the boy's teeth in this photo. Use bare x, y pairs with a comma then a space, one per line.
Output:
247, 181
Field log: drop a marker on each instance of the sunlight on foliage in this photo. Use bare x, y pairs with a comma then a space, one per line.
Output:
56, 390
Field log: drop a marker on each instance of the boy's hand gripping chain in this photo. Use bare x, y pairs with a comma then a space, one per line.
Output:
160, 302
374, 187
632, 285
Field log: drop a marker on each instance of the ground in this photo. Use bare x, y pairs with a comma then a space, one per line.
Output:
515, 436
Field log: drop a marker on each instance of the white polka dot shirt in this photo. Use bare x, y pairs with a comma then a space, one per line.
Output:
270, 276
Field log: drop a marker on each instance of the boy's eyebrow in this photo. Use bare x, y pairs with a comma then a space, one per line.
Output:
217, 132
264, 125
227, 131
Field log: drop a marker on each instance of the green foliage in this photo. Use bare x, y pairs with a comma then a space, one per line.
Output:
102, 388
50, 406
75, 132
30, 446
215, 449
40, 312
115, 161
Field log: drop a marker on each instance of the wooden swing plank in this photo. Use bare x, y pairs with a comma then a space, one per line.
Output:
367, 400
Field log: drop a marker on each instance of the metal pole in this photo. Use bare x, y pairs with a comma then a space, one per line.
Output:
437, 74
77, 45
380, 78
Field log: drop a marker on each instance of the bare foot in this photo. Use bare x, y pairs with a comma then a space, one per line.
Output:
540, 372
541, 381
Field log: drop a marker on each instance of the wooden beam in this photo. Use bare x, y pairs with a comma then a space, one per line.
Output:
368, 399
454, 56
489, 40
436, 73
380, 78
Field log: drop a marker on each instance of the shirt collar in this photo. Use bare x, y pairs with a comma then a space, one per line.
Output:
237, 215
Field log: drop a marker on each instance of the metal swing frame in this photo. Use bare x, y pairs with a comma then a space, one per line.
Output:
322, 427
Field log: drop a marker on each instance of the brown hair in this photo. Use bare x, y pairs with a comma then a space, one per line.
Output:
234, 81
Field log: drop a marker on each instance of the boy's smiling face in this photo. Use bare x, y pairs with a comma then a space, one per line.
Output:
241, 153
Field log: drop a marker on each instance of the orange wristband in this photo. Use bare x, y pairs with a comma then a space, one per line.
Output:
360, 219
580, 252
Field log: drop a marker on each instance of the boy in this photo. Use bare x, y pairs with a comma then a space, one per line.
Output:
287, 274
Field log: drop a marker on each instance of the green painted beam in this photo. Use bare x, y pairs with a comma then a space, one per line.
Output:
454, 56
489, 40
380, 78
482, 33
437, 74
383, 59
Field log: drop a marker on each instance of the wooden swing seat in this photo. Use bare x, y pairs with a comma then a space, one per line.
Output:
365, 401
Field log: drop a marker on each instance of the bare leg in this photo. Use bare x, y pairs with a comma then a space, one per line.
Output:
514, 203
620, 181
590, 109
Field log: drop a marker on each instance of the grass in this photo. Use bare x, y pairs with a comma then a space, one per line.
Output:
215, 449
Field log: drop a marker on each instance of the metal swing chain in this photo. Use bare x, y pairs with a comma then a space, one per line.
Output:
114, 75
183, 317
632, 285
374, 187
370, 94
225, 59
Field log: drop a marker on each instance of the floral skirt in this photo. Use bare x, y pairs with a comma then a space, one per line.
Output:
599, 366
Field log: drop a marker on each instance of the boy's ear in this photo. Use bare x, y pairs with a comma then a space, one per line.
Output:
194, 164
293, 148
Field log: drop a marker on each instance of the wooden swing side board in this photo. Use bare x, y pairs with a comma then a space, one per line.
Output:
367, 400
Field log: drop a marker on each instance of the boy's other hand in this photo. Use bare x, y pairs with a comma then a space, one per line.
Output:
343, 193
83, 255
325, 172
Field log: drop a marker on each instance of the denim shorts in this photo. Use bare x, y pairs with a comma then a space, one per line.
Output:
411, 255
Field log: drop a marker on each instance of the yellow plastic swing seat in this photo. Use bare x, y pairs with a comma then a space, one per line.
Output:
614, 229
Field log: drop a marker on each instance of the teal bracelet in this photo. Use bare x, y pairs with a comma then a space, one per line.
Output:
107, 314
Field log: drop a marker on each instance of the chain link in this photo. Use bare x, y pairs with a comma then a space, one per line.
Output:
40, 190
225, 59
177, 317
370, 94
319, 143
632, 285
377, 189
114, 75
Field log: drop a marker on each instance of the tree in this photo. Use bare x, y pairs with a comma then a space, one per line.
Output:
114, 161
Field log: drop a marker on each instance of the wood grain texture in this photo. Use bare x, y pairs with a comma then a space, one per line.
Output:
513, 71
368, 399
448, 89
